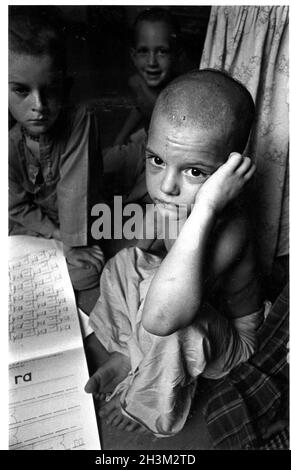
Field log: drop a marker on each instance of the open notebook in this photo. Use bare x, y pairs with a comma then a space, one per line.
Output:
48, 408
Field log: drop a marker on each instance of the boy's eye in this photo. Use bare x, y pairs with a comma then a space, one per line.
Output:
158, 161
155, 160
22, 91
162, 52
142, 51
195, 173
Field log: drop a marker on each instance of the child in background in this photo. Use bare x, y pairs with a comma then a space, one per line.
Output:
53, 149
160, 323
155, 55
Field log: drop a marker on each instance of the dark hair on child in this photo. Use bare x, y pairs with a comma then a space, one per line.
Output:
154, 15
37, 31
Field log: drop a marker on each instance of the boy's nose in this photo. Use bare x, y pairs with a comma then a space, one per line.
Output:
37, 102
170, 184
152, 59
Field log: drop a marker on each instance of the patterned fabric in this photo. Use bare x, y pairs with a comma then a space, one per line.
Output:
241, 407
279, 442
251, 43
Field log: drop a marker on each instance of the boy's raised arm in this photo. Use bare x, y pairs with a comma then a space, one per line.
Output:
175, 294
176, 291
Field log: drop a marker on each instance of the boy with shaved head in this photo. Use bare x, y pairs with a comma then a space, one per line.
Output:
165, 321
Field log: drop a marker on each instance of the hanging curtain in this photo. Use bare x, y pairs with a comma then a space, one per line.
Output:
251, 43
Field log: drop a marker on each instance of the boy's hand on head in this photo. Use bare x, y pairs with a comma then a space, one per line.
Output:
84, 257
226, 182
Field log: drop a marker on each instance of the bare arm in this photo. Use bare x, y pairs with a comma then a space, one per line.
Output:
172, 302
177, 289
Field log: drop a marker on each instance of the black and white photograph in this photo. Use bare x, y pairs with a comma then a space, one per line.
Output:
148, 233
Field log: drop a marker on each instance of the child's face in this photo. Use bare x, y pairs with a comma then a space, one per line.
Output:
178, 162
153, 56
35, 92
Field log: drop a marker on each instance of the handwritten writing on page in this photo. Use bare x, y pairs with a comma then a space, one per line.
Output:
48, 408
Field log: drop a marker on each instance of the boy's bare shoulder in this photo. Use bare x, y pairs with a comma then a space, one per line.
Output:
231, 242
235, 273
235, 267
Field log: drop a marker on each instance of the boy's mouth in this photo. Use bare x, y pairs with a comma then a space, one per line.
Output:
153, 75
174, 212
38, 121
166, 205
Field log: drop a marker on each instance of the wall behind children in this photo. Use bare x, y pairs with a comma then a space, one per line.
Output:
98, 40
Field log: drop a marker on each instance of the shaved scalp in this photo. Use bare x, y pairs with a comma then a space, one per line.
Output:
209, 99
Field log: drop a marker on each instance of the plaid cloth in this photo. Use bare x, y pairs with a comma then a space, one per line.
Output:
280, 441
255, 394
